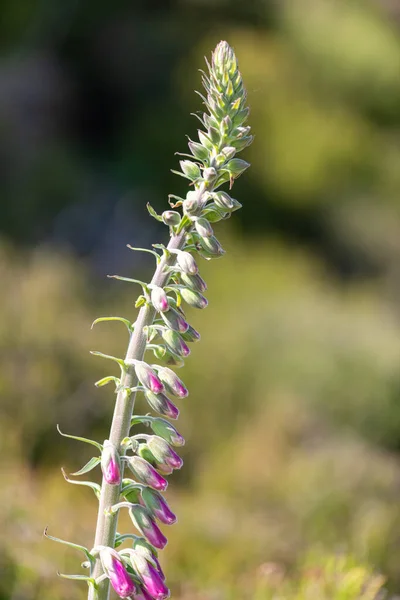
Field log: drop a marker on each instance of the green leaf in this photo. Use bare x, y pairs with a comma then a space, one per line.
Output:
93, 462
80, 439
78, 578
129, 280
75, 546
153, 213
127, 323
120, 361
94, 486
145, 250
107, 380
140, 301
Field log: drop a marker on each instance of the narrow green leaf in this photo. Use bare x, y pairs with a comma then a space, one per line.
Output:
107, 380
94, 486
120, 361
93, 462
145, 250
129, 280
70, 544
153, 213
77, 578
127, 323
80, 439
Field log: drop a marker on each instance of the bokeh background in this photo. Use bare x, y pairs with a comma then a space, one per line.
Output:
291, 482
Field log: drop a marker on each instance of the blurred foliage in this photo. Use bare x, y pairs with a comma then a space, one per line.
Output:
293, 421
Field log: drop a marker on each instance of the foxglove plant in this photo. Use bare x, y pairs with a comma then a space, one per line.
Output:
135, 467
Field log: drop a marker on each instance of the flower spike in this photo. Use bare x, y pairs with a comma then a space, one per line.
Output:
162, 328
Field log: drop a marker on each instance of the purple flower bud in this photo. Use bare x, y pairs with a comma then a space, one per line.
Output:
149, 576
175, 321
116, 572
167, 431
148, 377
163, 405
146, 474
159, 299
147, 526
163, 453
175, 342
158, 506
110, 464
172, 383
194, 282
193, 298
191, 335
186, 262
142, 595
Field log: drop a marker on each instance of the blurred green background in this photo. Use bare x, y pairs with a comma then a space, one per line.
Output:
291, 483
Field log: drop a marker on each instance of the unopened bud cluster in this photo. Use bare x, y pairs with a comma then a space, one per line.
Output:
149, 457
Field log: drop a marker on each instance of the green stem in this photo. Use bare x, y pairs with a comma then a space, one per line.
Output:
110, 494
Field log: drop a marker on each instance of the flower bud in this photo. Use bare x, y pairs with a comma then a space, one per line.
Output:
162, 404
209, 174
191, 335
147, 526
223, 200
117, 573
175, 342
212, 246
174, 320
163, 453
236, 167
148, 377
198, 150
162, 352
159, 299
194, 282
190, 169
133, 496
110, 464
167, 431
203, 227
193, 298
186, 262
146, 474
171, 217
157, 506
142, 595
172, 383
149, 576
228, 152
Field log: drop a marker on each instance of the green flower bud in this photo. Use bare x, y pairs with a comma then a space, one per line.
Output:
171, 218
191, 335
193, 298
186, 262
175, 342
212, 246
203, 227
194, 282
198, 150
236, 167
190, 169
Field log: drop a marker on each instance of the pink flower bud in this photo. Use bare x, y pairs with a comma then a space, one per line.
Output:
116, 572
172, 383
147, 526
149, 576
162, 404
194, 282
146, 474
191, 335
174, 320
163, 453
142, 595
110, 464
158, 506
193, 298
167, 431
148, 377
159, 299
175, 342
